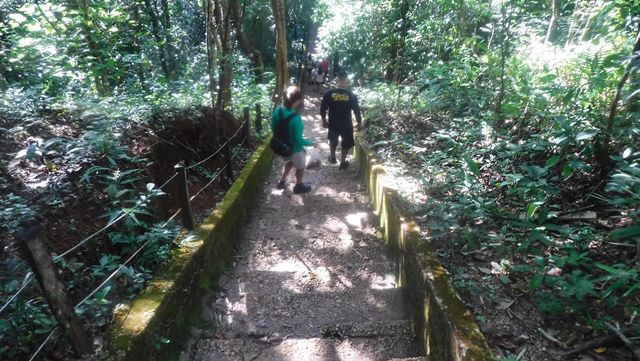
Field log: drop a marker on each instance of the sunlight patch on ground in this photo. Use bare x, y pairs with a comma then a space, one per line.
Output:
406, 185
347, 241
335, 225
287, 265
383, 282
237, 307
356, 219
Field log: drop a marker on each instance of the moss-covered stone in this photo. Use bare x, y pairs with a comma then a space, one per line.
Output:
156, 323
446, 329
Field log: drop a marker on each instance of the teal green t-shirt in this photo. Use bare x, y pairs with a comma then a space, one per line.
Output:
296, 127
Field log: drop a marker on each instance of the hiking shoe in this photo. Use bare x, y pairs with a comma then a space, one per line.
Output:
281, 185
344, 165
301, 188
333, 160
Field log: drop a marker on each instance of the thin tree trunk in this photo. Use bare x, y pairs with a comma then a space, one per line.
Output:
552, 22
603, 146
136, 28
225, 71
155, 31
504, 49
101, 80
576, 18
404, 30
282, 68
171, 49
587, 26
211, 48
253, 54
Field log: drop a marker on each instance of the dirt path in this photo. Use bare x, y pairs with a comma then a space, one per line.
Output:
310, 281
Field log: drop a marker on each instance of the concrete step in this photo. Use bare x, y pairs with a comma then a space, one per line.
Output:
285, 310
375, 341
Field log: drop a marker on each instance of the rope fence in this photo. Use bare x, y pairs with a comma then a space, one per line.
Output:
185, 210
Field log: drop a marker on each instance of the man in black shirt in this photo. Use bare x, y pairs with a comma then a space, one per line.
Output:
340, 102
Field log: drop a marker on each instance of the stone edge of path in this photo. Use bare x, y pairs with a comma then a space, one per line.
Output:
445, 329
154, 325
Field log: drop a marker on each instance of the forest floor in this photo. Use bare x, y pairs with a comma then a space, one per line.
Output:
479, 248
67, 190
310, 280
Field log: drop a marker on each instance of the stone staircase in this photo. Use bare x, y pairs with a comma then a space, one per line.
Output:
311, 280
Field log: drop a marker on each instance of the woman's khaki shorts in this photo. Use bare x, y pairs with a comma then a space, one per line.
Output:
299, 160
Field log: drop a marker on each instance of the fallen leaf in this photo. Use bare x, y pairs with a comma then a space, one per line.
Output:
600, 350
555, 271
504, 303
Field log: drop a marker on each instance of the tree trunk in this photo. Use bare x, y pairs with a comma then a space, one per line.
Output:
576, 18
225, 70
603, 146
135, 41
155, 31
404, 30
101, 80
504, 49
211, 47
170, 48
253, 54
282, 68
552, 22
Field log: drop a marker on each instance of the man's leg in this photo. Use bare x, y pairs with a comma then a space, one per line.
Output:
288, 166
343, 154
332, 150
299, 176
299, 162
347, 143
333, 145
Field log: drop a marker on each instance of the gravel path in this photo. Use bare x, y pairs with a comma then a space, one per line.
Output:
311, 279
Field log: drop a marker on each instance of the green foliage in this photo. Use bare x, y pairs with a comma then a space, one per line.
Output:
504, 133
15, 213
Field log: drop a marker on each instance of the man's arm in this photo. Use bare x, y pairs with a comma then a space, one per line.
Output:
273, 121
356, 109
298, 130
323, 109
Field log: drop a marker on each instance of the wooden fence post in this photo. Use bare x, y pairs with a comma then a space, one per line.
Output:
55, 291
183, 195
246, 127
258, 118
227, 159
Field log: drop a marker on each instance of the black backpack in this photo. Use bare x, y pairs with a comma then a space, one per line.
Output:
281, 140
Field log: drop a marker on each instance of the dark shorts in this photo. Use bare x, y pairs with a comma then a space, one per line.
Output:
345, 134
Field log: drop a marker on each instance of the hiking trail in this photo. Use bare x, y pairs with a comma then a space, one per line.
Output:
310, 279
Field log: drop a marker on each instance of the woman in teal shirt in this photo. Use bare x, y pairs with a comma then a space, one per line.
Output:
292, 101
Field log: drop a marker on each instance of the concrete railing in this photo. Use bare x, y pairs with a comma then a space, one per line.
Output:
156, 323
447, 331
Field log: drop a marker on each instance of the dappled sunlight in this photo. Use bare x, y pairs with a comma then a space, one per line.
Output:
347, 351
287, 265
335, 225
357, 219
387, 281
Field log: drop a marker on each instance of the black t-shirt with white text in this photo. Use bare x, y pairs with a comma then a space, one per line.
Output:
340, 103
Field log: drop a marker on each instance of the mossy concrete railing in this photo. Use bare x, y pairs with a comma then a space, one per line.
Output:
445, 328
156, 323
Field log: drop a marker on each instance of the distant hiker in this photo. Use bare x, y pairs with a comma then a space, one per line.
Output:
324, 65
314, 75
320, 79
287, 127
340, 102
310, 80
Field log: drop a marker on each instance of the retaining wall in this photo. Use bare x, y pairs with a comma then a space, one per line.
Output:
445, 328
156, 323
